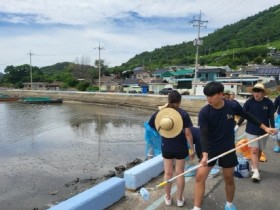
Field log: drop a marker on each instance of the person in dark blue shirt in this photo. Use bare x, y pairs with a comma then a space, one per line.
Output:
196, 141
277, 110
263, 109
277, 105
216, 121
174, 146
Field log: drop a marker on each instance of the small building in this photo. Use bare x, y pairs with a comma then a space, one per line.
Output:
210, 73
42, 85
141, 73
54, 85
159, 72
157, 85
264, 70
110, 83
132, 85
233, 87
35, 85
180, 74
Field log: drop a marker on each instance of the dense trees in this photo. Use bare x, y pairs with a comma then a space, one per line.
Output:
20, 74
71, 74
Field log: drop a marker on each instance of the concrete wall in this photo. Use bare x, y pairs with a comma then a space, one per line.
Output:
98, 197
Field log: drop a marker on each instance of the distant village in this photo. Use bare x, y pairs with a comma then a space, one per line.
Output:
182, 78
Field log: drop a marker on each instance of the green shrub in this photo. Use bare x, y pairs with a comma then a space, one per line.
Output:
93, 88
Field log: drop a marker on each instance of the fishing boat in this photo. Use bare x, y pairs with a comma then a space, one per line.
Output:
4, 97
41, 100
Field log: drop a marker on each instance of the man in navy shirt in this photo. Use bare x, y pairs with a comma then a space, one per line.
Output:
216, 121
263, 109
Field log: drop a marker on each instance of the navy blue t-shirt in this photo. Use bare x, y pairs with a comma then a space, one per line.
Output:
196, 140
277, 104
220, 126
262, 110
178, 143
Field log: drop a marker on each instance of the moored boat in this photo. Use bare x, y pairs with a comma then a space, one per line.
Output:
41, 100
4, 97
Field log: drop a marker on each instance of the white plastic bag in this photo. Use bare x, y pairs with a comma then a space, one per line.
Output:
242, 170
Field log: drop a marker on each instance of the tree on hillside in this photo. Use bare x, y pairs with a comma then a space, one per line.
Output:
19, 74
14, 74
104, 70
82, 68
84, 60
258, 60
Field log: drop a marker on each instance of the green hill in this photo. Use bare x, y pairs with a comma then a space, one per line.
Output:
56, 68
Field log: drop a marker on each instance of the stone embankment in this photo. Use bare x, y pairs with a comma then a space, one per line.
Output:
145, 101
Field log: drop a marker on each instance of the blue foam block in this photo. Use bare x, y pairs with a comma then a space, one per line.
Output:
143, 173
98, 197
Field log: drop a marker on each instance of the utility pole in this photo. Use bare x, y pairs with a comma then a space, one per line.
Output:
99, 66
199, 24
30, 65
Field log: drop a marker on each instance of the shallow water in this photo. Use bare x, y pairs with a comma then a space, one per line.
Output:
45, 147
42, 147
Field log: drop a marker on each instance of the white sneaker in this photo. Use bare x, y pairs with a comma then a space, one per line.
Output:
181, 203
256, 176
168, 202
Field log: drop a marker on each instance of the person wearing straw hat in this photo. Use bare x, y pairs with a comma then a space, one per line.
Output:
216, 121
173, 124
263, 109
231, 95
227, 94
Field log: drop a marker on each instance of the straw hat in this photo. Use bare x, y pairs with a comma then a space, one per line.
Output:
259, 86
168, 122
227, 92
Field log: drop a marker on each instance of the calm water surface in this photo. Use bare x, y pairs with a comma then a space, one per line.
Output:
34, 128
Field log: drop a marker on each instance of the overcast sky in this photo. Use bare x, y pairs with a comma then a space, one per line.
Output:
68, 30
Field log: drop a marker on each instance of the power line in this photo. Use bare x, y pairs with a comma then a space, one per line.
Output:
199, 24
60, 54
221, 8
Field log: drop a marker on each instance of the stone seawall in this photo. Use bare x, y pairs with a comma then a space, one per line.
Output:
145, 101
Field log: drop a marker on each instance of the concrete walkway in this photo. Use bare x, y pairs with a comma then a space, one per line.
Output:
249, 196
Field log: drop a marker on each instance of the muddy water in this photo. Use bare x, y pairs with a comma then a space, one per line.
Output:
45, 148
